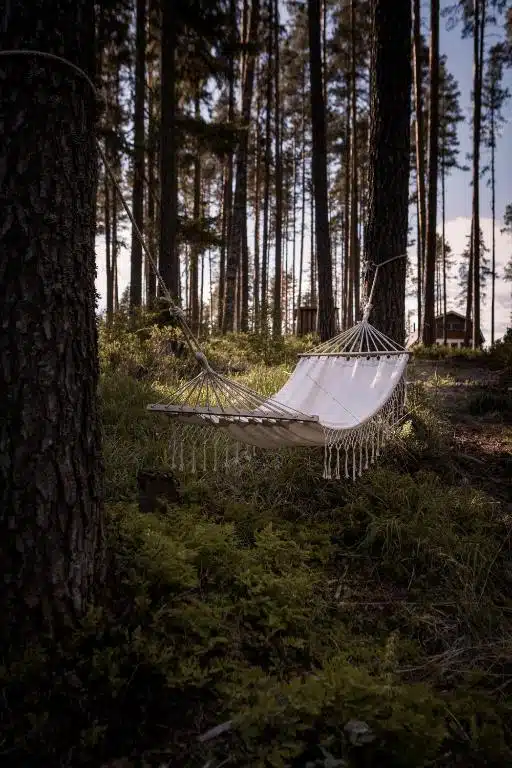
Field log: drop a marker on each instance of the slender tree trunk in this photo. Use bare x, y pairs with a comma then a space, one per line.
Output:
169, 257
277, 319
493, 234
469, 295
257, 190
303, 202
266, 192
139, 156
151, 190
227, 212
443, 219
108, 252
428, 330
195, 250
326, 324
388, 193
420, 155
479, 32
235, 249
51, 516
354, 243
348, 268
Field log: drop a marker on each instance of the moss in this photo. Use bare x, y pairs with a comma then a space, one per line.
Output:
287, 605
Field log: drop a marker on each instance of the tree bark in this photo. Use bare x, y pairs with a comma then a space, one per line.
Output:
195, 250
138, 156
326, 321
478, 32
234, 255
151, 192
169, 262
428, 329
51, 519
277, 315
420, 156
389, 161
354, 241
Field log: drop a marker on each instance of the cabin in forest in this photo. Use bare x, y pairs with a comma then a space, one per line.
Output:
455, 331
305, 320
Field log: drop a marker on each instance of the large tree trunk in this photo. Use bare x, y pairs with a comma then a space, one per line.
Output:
138, 156
389, 161
51, 522
326, 320
169, 262
234, 255
428, 329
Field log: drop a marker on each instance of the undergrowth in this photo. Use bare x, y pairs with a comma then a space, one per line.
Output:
323, 623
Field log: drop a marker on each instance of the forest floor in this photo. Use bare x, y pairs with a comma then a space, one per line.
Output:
310, 624
477, 402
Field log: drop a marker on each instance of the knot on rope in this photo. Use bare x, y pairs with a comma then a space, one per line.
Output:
176, 312
202, 360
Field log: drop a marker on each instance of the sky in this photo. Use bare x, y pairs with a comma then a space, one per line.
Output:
458, 187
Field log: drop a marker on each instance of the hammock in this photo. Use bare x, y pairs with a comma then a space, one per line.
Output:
346, 395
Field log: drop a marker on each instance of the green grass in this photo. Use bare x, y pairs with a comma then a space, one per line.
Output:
283, 603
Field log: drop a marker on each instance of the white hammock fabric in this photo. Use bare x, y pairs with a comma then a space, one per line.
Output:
346, 396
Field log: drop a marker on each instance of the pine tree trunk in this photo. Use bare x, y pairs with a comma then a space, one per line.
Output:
349, 272
303, 182
169, 262
277, 318
108, 251
326, 324
234, 255
428, 329
257, 191
151, 191
493, 233
479, 31
469, 294
266, 191
420, 156
443, 219
227, 197
354, 243
195, 249
389, 161
138, 156
51, 518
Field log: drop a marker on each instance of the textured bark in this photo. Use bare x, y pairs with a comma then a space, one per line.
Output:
326, 320
266, 184
234, 255
257, 191
51, 529
138, 157
428, 326
195, 250
151, 192
354, 192
388, 193
420, 155
277, 315
479, 21
169, 262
